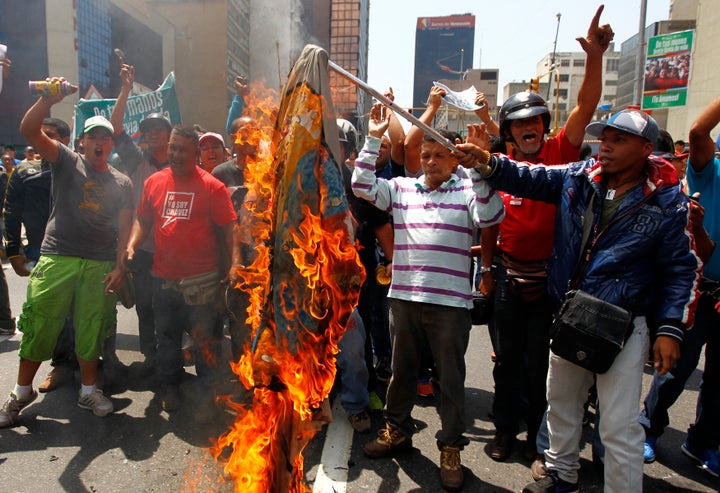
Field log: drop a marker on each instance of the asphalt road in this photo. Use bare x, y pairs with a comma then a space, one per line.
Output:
59, 447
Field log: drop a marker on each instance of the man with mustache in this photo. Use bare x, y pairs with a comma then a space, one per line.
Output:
520, 252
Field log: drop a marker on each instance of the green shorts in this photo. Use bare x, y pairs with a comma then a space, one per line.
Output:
57, 285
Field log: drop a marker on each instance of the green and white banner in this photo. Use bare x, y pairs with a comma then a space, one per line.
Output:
667, 70
163, 100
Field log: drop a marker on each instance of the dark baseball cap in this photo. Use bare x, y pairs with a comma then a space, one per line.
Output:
631, 121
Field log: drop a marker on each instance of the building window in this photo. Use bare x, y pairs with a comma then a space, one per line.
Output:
565, 63
611, 82
563, 93
564, 77
612, 65
488, 75
579, 62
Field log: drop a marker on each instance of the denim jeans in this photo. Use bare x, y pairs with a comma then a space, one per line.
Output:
665, 390
351, 363
172, 316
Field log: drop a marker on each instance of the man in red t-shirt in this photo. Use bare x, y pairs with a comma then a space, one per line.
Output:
185, 208
523, 312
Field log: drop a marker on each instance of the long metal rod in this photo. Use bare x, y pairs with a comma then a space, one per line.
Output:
397, 109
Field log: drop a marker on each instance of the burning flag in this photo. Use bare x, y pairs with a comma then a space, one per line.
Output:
306, 278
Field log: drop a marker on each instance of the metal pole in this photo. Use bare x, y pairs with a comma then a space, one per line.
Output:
640, 58
552, 58
381, 97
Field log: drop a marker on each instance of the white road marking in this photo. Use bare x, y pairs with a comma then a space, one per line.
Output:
333, 470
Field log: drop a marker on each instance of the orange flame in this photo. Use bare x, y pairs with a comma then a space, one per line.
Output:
267, 438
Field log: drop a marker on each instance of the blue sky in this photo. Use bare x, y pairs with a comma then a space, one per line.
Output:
511, 35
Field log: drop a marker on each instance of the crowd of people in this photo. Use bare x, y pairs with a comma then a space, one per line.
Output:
515, 215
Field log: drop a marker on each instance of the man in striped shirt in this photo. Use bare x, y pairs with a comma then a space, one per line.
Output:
434, 218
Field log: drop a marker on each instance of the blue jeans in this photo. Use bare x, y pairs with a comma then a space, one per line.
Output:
705, 432
351, 363
172, 316
665, 390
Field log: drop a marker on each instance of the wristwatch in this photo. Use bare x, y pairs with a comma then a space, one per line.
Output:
484, 269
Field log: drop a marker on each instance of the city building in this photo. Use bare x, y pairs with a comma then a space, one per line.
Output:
443, 48
206, 43
564, 81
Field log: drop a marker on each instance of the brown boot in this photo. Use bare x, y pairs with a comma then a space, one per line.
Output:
57, 376
389, 441
501, 446
451, 473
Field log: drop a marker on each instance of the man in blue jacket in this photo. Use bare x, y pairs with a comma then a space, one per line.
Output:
637, 252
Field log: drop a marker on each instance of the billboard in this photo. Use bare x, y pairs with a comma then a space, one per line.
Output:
667, 70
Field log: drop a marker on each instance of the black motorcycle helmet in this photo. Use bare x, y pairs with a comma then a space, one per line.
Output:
522, 105
153, 118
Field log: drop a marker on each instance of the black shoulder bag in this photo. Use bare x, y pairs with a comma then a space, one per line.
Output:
588, 331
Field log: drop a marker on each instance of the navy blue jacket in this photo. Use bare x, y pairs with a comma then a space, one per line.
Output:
643, 260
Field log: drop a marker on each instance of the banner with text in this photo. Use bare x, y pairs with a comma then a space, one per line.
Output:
667, 70
162, 100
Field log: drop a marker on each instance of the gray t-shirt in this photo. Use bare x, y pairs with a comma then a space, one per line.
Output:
84, 217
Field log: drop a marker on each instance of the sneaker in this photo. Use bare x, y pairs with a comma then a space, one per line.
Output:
550, 484
57, 376
425, 388
538, 469
96, 402
7, 331
389, 441
706, 458
451, 473
360, 421
12, 407
501, 446
375, 405
649, 449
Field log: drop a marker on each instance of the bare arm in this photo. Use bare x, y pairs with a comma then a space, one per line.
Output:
396, 134
414, 137
141, 229
595, 44
386, 238
31, 124
702, 147
127, 77
484, 114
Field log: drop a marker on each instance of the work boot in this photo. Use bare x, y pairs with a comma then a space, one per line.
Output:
501, 446
360, 422
57, 377
451, 473
389, 441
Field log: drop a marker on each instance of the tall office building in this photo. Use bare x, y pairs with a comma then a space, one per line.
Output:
349, 49
443, 50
